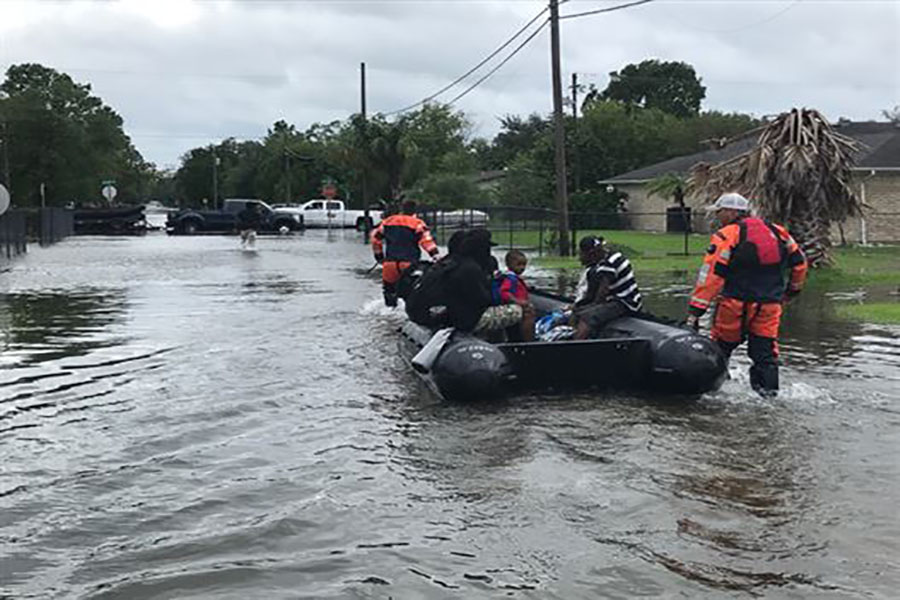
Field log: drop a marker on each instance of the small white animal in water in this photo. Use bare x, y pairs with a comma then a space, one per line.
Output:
248, 240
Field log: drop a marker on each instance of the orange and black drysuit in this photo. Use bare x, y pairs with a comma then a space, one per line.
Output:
744, 270
395, 243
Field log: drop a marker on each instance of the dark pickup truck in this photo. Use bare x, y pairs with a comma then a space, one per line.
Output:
190, 221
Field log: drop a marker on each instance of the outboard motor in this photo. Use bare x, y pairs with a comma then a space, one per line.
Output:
470, 369
681, 361
689, 364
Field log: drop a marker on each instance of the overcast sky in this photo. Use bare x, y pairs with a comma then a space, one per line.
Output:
185, 73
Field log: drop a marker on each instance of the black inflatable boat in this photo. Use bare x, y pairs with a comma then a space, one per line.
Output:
630, 352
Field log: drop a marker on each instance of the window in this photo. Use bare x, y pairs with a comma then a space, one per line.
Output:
314, 206
334, 206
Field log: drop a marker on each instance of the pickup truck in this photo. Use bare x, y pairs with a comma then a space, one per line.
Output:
322, 212
191, 221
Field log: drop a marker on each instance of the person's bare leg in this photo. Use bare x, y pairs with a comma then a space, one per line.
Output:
582, 330
527, 324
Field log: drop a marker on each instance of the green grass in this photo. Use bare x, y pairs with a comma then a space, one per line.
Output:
857, 265
656, 253
645, 242
876, 312
648, 252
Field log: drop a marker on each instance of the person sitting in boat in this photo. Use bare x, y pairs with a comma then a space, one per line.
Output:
249, 222
422, 288
467, 289
510, 288
607, 289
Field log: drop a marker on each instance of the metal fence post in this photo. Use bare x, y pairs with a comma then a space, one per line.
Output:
541, 235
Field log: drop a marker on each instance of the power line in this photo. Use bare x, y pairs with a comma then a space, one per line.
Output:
503, 62
475, 68
605, 10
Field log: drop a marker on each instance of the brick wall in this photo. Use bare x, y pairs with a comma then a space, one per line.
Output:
882, 217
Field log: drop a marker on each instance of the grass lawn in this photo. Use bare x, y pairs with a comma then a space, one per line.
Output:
662, 252
656, 252
656, 256
876, 312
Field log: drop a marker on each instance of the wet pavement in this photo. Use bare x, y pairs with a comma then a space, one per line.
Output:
180, 419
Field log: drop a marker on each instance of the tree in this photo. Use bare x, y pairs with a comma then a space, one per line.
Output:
669, 185
517, 135
449, 190
672, 87
799, 174
893, 114
61, 136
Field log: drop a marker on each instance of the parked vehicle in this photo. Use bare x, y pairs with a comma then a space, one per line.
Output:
321, 212
192, 221
451, 219
117, 220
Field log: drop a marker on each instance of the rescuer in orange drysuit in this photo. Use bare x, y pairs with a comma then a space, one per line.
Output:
744, 271
396, 242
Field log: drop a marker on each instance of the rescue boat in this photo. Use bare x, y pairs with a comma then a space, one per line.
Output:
629, 353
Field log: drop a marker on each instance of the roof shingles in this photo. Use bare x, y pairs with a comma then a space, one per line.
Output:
880, 150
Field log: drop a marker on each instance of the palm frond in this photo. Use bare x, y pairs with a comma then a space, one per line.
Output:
798, 173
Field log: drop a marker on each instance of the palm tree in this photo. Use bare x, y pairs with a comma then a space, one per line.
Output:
669, 185
798, 174
672, 186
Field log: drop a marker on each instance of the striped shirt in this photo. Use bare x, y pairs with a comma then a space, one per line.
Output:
617, 270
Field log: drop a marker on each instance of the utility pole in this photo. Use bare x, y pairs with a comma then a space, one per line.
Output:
559, 134
287, 173
215, 182
576, 179
365, 169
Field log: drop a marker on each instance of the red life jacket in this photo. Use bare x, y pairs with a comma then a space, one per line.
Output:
756, 268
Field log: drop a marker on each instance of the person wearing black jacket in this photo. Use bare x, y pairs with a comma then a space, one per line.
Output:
466, 286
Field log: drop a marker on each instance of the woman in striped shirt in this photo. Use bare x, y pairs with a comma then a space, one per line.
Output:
607, 289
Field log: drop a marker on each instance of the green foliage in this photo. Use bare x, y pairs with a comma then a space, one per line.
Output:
60, 135
527, 183
449, 190
669, 185
672, 87
516, 136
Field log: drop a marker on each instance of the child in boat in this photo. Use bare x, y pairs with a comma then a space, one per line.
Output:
509, 287
509, 294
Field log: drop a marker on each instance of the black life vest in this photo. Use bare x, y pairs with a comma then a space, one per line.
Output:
756, 268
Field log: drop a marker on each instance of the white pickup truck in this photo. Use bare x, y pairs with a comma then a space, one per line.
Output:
321, 212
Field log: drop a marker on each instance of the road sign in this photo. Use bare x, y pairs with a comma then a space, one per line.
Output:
109, 192
4, 199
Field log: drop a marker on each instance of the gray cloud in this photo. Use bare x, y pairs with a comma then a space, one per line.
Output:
185, 74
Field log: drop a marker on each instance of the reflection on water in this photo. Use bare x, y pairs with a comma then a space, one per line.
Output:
50, 325
193, 422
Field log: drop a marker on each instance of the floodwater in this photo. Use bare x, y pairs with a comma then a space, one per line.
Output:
179, 419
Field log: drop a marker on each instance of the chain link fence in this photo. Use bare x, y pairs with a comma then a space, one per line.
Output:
536, 229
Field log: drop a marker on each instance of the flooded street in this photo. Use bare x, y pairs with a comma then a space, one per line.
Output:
179, 419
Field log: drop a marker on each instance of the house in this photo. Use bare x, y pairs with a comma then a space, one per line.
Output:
876, 179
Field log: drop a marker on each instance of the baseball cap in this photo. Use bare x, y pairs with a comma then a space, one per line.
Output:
730, 200
590, 242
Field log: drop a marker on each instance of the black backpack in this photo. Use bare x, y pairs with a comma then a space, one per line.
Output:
426, 290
